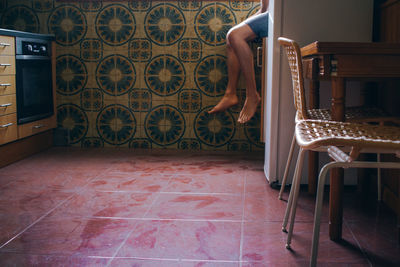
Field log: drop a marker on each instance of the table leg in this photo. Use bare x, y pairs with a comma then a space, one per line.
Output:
313, 160
336, 178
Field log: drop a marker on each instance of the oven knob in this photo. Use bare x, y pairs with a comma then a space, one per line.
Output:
29, 47
43, 49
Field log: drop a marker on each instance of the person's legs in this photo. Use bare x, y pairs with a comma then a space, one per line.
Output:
237, 52
230, 98
238, 39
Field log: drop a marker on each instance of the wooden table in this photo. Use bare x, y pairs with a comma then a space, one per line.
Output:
339, 62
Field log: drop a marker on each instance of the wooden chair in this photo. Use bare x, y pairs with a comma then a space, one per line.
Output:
318, 135
353, 114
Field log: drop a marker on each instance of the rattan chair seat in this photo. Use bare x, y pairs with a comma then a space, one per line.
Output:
353, 114
316, 133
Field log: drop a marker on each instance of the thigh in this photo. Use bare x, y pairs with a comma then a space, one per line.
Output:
258, 24
244, 31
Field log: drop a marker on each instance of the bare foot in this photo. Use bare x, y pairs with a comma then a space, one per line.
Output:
227, 101
249, 108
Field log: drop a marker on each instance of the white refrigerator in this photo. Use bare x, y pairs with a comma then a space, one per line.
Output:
305, 21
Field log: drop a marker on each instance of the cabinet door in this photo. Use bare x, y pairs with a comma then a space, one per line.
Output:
8, 104
7, 46
7, 84
8, 128
7, 65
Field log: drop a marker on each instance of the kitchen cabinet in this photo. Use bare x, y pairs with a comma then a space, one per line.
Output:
8, 110
18, 141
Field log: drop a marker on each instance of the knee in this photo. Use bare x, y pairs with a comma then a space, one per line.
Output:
232, 36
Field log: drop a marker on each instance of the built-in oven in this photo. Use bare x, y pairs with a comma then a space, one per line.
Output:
33, 79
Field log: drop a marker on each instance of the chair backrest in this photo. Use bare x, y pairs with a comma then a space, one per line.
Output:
296, 69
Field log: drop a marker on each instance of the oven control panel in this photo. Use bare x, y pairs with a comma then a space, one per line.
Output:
32, 48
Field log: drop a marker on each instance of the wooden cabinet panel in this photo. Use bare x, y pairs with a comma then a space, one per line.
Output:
7, 45
7, 84
8, 128
8, 104
7, 65
35, 127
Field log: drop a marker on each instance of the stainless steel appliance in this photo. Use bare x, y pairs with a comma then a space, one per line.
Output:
33, 79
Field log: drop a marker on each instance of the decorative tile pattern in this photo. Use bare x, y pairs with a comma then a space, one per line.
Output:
141, 143
115, 75
68, 24
213, 22
165, 24
140, 5
239, 145
189, 50
211, 75
165, 75
190, 5
252, 130
115, 24
189, 144
214, 129
142, 73
164, 125
42, 5
140, 100
71, 75
20, 18
116, 124
74, 119
91, 50
92, 142
92, 99
239, 5
190, 100
91, 6
140, 49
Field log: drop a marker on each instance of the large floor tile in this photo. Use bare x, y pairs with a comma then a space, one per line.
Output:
192, 240
197, 206
134, 181
23, 259
72, 237
91, 203
205, 183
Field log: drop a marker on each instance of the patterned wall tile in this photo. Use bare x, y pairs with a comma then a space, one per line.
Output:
142, 73
212, 23
165, 24
20, 18
72, 118
68, 24
71, 74
115, 24
116, 124
91, 49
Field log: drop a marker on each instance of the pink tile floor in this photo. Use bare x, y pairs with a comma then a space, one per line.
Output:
73, 207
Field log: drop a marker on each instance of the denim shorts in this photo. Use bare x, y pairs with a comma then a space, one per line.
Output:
259, 24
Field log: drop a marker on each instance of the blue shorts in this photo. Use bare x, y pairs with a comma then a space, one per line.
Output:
259, 24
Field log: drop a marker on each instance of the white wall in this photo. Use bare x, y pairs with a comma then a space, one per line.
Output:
304, 21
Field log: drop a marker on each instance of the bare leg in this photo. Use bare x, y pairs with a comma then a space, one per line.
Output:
230, 98
238, 38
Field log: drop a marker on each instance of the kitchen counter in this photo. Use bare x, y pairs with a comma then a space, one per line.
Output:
14, 33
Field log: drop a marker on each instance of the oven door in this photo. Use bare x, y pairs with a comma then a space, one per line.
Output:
34, 88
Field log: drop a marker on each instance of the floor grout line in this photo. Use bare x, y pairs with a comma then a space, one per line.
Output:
133, 228
36, 221
358, 243
242, 223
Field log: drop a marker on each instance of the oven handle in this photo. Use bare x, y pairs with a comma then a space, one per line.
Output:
32, 57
